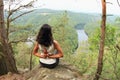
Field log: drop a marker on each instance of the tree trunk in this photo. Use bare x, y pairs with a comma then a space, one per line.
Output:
3, 68
101, 49
6, 47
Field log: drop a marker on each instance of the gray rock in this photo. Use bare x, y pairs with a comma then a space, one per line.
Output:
63, 71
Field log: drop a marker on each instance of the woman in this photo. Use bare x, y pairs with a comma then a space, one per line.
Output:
46, 48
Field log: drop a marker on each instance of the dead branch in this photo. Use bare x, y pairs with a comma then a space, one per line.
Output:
17, 41
12, 31
22, 6
109, 2
118, 3
21, 15
118, 47
31, 56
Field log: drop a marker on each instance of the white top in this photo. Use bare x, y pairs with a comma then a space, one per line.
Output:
50, 50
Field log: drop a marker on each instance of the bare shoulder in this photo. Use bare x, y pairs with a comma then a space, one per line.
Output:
56, 42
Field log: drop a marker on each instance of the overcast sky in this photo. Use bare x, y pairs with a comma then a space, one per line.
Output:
78, 5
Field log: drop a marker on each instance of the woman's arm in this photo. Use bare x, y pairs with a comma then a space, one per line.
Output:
59, 51
36, 53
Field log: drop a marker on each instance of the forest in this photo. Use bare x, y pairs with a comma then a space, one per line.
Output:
21, 35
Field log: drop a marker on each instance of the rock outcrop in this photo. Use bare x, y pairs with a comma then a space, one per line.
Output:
63, 71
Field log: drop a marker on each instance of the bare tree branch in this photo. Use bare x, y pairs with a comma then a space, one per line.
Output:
17, 41
10, 13
109, 2
22, 6
21, 15
16, 4
118, 3
12, 31
118, 47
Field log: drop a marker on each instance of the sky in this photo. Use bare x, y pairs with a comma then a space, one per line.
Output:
92, 6
87, 6
72, 5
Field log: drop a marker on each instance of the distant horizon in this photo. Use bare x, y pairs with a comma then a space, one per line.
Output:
76, 11
77, 6
85, 6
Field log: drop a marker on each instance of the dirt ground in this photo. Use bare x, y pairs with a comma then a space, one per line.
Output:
11, 76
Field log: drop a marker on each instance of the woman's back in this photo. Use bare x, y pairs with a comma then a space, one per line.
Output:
50, 51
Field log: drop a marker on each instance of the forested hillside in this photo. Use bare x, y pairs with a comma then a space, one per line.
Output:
40, 16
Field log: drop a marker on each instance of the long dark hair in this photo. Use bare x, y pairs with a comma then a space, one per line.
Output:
44, 36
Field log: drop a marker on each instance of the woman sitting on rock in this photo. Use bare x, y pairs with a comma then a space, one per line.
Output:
46, 48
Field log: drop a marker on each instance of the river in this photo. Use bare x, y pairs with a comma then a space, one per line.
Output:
82, 36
